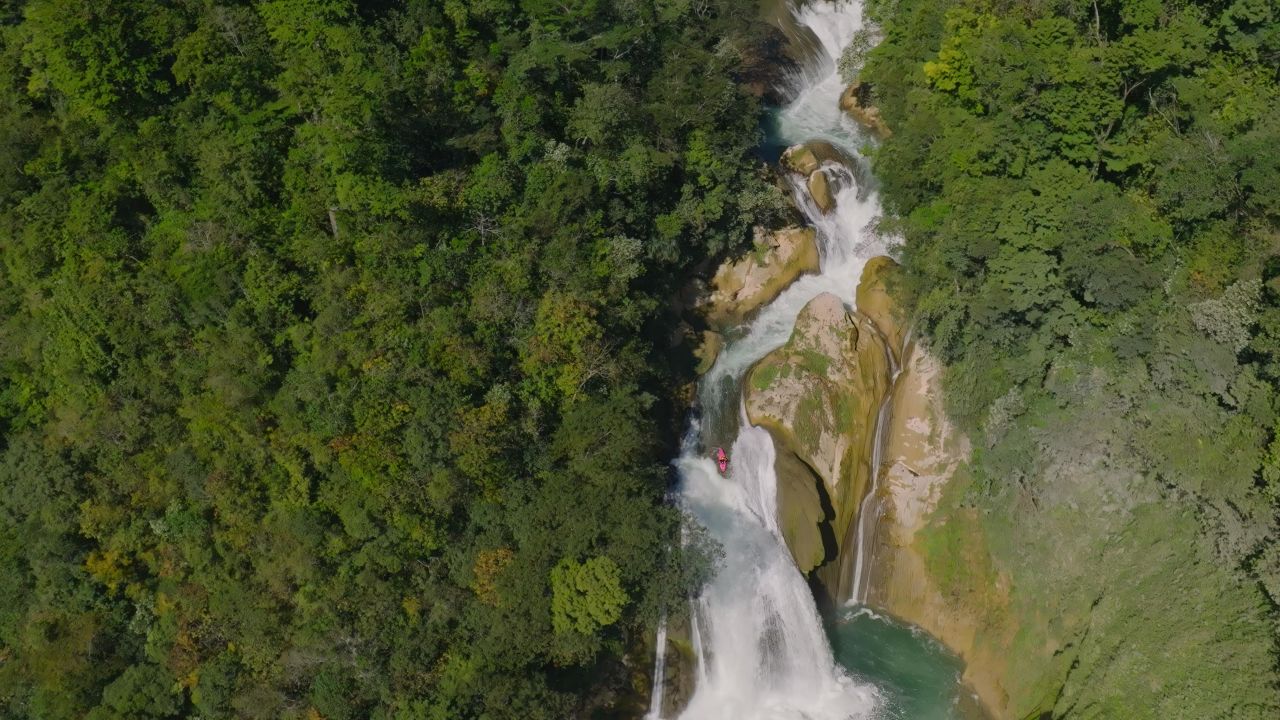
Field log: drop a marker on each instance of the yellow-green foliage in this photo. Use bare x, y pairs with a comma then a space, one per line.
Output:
586, 596
763, 375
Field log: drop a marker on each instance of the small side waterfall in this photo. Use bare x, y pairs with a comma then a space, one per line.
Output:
659, 671
762, 652
869, 510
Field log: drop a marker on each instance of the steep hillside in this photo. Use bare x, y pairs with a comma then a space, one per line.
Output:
1089, 194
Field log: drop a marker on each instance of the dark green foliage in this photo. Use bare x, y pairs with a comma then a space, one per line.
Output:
330, 330
1090, 217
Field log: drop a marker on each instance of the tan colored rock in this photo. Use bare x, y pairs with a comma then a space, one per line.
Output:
807, 157
923, 453
743, 285
708, 350
856, 102
819, 396
875, 302
922, 450
801, 514
820, 191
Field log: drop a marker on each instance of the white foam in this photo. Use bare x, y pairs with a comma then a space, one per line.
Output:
762, 652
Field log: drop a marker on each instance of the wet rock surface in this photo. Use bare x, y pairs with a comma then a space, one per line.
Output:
748, 283
819, 396
856, 101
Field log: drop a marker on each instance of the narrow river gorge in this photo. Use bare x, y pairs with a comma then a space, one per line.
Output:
807, 393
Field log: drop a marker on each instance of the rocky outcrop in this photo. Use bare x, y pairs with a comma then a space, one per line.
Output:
923, 452
807, 159
748, 283
875, 302
678, 670
819, 396
765, 63
804, 512
820, 191
707, 350
856, 101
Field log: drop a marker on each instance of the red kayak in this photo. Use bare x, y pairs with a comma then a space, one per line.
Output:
722, 460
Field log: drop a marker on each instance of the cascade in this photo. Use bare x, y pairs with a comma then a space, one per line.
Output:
869, 510
761, 650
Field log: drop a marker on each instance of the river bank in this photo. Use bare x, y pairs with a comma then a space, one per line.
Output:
923, 455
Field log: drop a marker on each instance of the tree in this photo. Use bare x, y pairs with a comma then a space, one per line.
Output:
300, 306
586, 597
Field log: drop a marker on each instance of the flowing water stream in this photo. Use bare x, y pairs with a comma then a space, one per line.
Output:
762, 649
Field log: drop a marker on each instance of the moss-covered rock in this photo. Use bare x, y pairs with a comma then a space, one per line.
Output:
708, 349
1097, 599
746, 284
804, 513
819, 396
678, 670
875, 302
807, 159
923, 453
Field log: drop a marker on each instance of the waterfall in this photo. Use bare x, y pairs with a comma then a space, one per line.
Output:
659, 670
760, 646
869, 510
763, 645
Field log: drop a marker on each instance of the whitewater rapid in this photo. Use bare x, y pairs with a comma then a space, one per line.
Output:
761, 650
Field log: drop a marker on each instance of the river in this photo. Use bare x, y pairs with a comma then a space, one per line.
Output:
763, 651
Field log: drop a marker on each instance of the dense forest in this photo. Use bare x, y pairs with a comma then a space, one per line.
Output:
336, 376
1089, 194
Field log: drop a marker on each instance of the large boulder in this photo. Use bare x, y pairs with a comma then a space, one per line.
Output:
708, 350
806, 158
874, 301
856, 102
820, 191
744, 285
819, 395
804, 514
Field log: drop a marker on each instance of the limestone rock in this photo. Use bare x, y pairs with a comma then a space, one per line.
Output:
743, 285
856, 101
806, 158
922, 454
708, 350
802, 512
679, 672
874, 301
922, 448
819, 396
820, 191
